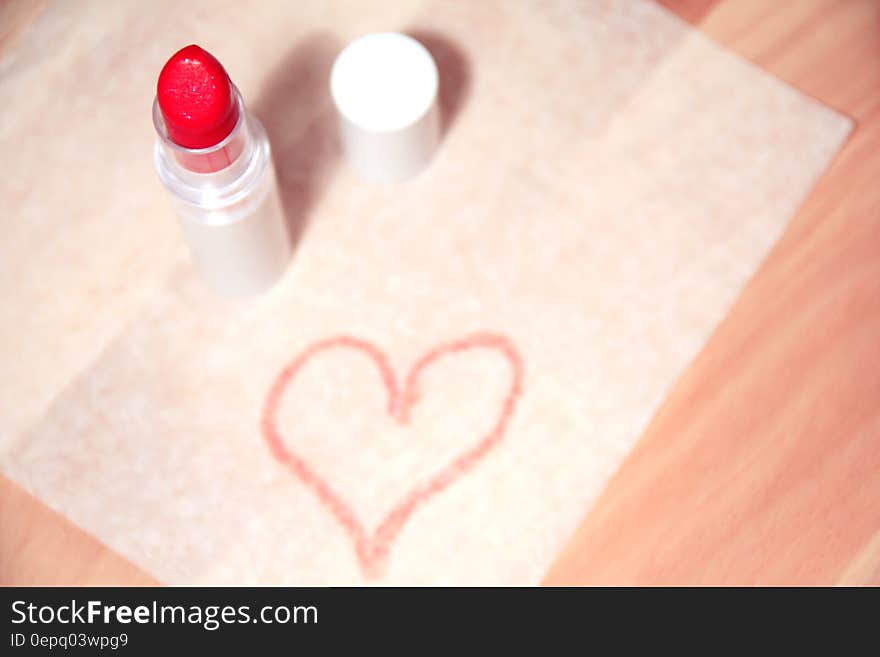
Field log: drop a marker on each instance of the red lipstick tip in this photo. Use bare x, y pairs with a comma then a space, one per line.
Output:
196, 99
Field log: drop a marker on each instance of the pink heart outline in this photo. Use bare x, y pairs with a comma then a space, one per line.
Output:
372, 550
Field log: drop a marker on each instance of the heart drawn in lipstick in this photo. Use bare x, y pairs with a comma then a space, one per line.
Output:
373, 548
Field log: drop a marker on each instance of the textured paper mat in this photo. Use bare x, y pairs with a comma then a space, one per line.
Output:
452, 368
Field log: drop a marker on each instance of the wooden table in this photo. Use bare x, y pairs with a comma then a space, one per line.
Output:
763, 465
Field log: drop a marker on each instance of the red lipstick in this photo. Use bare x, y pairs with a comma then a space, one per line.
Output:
214, 159
196, 99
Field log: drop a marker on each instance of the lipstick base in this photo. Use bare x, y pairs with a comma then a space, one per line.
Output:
241, 258
231, 217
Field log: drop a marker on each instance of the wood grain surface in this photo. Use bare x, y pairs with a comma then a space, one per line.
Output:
763, 466
40, 547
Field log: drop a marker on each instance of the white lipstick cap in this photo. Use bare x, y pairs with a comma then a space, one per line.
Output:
384, 86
